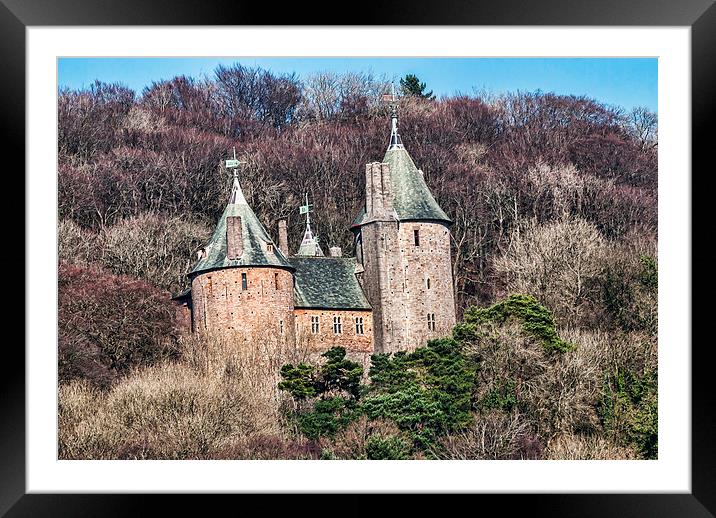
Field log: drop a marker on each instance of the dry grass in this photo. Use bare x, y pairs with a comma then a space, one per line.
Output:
219, 397
586, 447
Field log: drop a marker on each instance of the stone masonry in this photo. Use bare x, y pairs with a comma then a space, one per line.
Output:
396, 294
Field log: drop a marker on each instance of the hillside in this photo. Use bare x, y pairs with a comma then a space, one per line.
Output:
552, 196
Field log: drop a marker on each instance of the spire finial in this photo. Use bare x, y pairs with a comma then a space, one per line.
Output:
309, 244
392, 100
306, 209
236, 195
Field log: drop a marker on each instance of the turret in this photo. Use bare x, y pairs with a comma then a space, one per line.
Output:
242, 286
403, 244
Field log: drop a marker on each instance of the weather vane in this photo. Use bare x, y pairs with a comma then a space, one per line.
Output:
306, 209
392, 100
234, 163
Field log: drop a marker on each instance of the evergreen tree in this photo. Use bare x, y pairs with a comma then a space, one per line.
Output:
411, 85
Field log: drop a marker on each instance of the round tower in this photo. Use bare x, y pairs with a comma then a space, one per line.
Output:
402, 240
242, 286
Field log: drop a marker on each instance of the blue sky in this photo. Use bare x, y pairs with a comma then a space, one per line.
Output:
625, 82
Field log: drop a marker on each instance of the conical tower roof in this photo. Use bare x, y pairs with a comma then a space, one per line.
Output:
258, 247
412, 199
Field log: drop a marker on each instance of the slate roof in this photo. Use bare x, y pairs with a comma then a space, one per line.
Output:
412, 200
255, 239
327, 283
412, 197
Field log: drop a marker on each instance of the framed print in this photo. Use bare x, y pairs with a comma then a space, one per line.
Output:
198, 194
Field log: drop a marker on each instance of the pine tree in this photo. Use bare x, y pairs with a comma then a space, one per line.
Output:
411, 85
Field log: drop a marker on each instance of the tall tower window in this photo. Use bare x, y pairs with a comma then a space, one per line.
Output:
337, 326
359, 326
280, 323
427, 281
275, 280
244, 282
431, 321
416, 237
315, 325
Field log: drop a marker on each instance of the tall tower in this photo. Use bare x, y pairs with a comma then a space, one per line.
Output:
403, 244
242, 286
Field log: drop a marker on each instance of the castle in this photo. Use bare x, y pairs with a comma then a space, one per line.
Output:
396, 292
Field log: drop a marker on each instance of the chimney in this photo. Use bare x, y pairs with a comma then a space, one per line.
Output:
234, 238
387, 184
369, 189
283, 237
335, 251
377, 180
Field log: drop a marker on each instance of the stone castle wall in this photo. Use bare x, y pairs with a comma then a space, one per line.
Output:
396, 282
265, 307
325, 338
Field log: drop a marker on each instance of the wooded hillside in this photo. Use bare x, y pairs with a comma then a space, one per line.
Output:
551, 196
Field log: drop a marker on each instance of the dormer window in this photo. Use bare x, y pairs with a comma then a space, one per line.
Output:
269, 248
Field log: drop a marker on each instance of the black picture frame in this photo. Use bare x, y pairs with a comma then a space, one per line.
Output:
17, 15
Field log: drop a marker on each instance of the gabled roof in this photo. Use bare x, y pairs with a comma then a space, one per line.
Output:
412, 197
255, 240
327, 283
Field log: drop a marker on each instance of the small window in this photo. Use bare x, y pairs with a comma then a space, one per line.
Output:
244, 282
275, 280
359, 326
416, 237
431, 321
280, 323
315, 325
337, 326
428, 282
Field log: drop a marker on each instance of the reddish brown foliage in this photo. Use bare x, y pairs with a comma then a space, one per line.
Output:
161, 153
109, 324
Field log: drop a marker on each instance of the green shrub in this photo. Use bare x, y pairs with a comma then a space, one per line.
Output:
387, 448
502, 397
628, 410
537, 321
336, 378
327, 417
